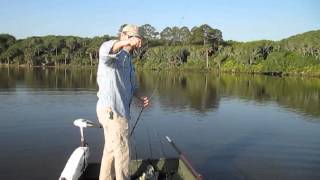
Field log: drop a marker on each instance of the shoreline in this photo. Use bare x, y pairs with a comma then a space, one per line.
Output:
182, 69
40, 66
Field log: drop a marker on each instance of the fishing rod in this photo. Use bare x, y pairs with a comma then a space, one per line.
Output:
184, 159
138, 118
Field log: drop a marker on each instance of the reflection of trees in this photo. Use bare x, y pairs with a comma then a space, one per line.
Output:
8, 78
299, 94
197, 91
74, 78
39, 78
203, 91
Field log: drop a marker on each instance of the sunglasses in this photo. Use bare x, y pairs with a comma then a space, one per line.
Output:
134, 36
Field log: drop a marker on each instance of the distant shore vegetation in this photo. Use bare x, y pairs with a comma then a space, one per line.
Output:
199, 48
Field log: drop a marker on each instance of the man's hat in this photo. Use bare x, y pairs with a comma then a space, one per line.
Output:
131, 30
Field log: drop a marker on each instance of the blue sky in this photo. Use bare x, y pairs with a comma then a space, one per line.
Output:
242, 20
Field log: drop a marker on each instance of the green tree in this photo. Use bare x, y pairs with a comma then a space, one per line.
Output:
29, 55
149, 32
175, 35
71, 44
56, 44
205, 34
66, 53
12, 52
184, 34
90, 51
6, 40
166, 34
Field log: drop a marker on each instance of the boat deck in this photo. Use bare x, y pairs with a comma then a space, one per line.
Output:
170, 168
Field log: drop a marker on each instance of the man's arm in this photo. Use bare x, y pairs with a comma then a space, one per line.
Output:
118, 45
134, 42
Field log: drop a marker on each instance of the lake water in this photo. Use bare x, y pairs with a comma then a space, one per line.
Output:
229, 126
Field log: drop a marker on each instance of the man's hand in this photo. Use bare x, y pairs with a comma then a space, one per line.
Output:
135, 42
145, 101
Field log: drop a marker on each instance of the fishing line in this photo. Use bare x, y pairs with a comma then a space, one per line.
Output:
162, 153
149, 141
142, 108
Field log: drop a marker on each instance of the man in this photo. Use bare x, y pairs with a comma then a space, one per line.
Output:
117, 84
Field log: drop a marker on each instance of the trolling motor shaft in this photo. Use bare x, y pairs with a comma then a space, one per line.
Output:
84, 123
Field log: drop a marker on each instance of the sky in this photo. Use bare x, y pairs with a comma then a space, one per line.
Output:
240, 20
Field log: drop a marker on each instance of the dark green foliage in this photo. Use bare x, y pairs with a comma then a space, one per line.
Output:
6, 40
206, 35
296, 55
175, 47
50, 50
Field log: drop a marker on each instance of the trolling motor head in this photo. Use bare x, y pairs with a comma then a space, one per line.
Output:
84, 123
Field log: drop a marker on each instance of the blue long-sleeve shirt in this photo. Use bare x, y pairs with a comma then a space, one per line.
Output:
116, 80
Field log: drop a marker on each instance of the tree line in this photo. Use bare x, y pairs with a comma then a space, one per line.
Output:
50, 50
65, 50
298, 54
199, 47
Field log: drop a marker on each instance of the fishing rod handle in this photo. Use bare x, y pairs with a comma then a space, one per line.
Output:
184, 159
173, 145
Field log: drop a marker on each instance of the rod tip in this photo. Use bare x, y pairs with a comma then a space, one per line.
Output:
168, 139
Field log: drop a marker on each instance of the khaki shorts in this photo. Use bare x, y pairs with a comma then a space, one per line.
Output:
116, 158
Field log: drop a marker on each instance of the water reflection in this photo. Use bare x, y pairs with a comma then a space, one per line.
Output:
199, 92
53, 78
203, 91
234, 121
194, 91
296, 93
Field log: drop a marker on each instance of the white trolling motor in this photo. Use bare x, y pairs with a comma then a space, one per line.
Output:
78, 161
